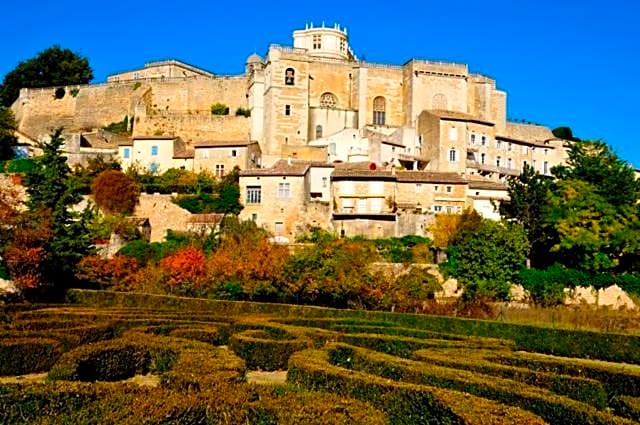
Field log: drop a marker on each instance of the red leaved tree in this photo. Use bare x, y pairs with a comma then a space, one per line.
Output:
186, 270
115, 192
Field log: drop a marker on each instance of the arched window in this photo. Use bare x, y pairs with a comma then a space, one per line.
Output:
328, 100
290, 77
379, 110
453, 157
440, 101
318, 131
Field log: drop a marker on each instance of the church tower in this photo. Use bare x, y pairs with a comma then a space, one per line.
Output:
332, 42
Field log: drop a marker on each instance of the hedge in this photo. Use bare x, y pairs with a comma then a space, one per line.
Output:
403, 403
551, 407
563, 342
626, 406
589, 391
267, 349
19, 356
618, 379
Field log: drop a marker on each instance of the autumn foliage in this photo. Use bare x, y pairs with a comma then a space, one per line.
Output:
115, 192
186, 270
114, 273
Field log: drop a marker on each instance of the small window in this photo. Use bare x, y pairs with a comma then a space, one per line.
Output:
449, 209
473, 139
126, 153
254, 217
437, 208
509, 163
287, 110
545, 167
497, 161
449, 189
483, 140
324, 182
509, 146
234, 152
546, 151
219, 170
483, 158
498, 144
284, 190
154, 150
418, 187
254, 195
290, 77
435, 188
453, 157
318, 131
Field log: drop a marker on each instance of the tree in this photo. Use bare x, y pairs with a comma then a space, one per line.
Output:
115, 192
54, 66
486, 261
564, 133
594, 162
52, 193
8, 139
528, 194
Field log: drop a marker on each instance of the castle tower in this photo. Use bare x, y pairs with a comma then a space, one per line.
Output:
254, 70
324, 42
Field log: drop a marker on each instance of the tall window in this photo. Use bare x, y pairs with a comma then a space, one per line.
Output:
545, 167
473, 139
154, 150
484, 140
317, 41
219, 170
498, 144
287, 110
127, 153
453, 156
332, 149
509, 163
328, 100
254, 194
497, 161
290, 77
483, 158
379, 110
284, 190
318, 131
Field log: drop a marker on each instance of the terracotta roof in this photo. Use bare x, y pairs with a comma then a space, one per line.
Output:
537, 143
370, 174
96, 141
184, 154
430, 177
126, 143
487, 185
222, 143
458, 116
212, 218
281, 168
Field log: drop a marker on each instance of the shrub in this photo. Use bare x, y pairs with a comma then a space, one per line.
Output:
19, 356
107, 273
219, 109
24, 165
121, 127
115, 192
186, 269
267, 349
244, 112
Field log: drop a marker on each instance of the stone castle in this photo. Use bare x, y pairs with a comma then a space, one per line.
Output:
377, 148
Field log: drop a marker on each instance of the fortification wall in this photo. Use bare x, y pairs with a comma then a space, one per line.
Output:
194, 127
197, 94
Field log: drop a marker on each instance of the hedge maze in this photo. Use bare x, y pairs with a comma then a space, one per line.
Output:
115, 358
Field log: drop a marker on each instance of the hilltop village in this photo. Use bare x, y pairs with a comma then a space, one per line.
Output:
322, 138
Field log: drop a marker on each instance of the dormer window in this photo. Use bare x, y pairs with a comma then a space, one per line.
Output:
290, 77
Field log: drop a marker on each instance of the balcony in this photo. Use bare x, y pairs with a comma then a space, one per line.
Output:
486, 168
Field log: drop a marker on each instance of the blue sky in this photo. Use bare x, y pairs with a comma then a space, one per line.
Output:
561, 62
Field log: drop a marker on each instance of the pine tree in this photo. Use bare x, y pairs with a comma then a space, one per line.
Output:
52, 191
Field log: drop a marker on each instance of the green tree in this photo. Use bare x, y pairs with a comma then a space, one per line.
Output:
564, 133
528, 194
8, 139
52, 191
594, 162
487, 261
54, 66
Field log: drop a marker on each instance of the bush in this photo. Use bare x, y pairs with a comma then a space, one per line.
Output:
19, 356
267, 349
244, 112
219, 109
121, 127
24, 166
115, 192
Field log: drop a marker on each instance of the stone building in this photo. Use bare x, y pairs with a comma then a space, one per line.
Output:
425, 125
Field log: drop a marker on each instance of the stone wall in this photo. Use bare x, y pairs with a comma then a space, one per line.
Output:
194, 127
162, 214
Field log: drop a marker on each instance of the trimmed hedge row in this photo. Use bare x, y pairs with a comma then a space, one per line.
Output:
618, 379
268, 348
19, 356
403, 403
626, 406
551, 407
564, 342
589, 391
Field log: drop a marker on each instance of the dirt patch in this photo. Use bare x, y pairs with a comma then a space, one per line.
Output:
148, 380
32, 378
267, 378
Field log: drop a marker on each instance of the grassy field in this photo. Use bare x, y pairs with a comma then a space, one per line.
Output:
110, 358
